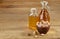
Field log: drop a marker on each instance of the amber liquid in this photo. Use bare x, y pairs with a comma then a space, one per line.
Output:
32, 22
44, 30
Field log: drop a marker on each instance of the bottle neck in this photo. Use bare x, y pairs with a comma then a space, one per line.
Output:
44, 7
33, 14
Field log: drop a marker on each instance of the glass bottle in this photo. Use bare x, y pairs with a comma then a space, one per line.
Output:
33, 18
44, 19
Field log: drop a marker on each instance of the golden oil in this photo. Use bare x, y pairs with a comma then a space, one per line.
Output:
33, 19
32, 22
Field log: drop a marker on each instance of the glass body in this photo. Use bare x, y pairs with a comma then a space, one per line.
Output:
32, 22
44, 20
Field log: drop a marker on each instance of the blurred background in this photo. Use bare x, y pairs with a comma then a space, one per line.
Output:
14, 18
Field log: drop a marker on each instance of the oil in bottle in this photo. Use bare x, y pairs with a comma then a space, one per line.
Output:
44, 19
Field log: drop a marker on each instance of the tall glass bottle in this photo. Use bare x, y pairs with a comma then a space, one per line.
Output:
44, 19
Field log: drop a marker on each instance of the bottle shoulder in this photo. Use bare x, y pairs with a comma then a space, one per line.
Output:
33, 14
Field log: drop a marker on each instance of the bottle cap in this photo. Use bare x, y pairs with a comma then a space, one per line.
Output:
33, 10
44, 3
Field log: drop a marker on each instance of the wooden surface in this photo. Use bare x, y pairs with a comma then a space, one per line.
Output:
14, 19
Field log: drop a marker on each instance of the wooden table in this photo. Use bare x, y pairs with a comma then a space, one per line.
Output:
14, 19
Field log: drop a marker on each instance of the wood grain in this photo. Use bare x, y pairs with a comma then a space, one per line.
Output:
14, 18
